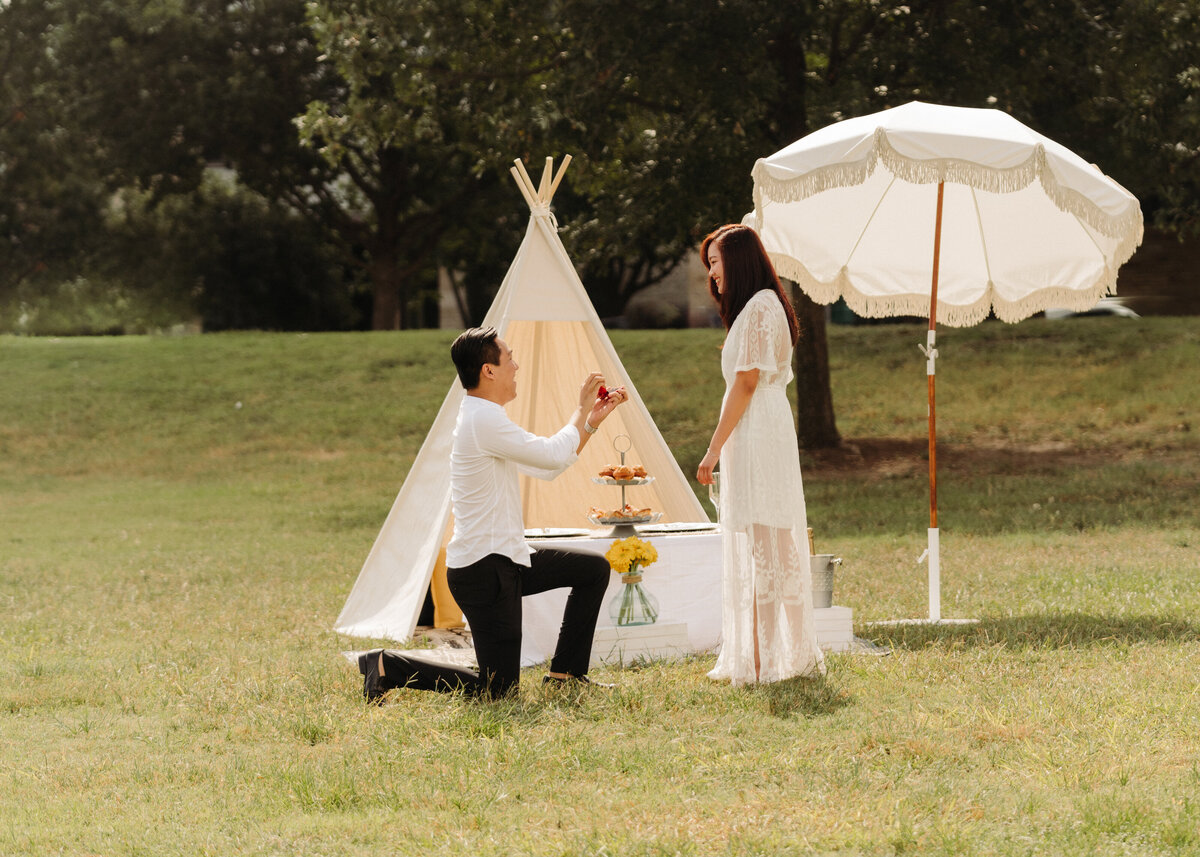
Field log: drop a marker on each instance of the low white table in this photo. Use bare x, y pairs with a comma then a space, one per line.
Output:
686, 580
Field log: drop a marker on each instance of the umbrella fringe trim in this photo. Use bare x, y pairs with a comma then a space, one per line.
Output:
1126, 227
810, 183
950, 315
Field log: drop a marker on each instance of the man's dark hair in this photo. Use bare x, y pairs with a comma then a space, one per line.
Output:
471, 350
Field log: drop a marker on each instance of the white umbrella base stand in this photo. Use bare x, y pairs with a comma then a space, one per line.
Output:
934, 554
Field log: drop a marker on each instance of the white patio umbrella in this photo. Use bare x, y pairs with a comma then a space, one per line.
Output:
943, 212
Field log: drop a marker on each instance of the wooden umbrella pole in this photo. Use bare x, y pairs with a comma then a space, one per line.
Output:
937, 253
935, 583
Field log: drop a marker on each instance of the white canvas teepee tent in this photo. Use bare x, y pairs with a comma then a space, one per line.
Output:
543, 312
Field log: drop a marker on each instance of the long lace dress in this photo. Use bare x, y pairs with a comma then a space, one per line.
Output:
766, 581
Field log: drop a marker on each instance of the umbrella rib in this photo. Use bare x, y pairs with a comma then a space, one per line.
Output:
1083, 226
867, 225
987, 261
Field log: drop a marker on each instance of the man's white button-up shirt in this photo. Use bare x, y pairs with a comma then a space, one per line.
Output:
489, 451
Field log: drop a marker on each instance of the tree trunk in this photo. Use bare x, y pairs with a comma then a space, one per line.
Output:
387, 308
816, 426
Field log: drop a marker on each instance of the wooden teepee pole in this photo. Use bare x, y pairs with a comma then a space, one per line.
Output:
531, 188
526, 191
544, 184
562, 168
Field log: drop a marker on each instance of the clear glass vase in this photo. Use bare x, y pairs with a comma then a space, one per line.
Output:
632, 605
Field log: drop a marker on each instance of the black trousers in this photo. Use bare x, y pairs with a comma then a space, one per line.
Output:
489, 593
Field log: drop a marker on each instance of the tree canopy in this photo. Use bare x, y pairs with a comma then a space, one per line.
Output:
383, 131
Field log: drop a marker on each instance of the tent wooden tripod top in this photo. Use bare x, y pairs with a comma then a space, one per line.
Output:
539, 197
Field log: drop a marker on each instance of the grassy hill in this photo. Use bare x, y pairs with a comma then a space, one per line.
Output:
183, 518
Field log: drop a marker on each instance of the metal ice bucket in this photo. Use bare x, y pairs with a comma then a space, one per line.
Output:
822, 565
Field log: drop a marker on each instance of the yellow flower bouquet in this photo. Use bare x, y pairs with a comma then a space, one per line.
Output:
632, 605
626, 556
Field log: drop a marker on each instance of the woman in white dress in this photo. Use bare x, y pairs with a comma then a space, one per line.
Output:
767, 628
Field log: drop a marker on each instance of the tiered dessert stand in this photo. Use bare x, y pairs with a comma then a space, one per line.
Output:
624, 525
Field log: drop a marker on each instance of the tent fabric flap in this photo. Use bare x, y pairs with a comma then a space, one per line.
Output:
390, 590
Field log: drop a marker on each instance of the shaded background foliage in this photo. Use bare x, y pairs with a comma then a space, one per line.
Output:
368, 142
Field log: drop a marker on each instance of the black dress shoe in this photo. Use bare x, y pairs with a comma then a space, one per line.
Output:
368, 665
574, 681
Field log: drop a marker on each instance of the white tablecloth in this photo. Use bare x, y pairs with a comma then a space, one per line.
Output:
686, 580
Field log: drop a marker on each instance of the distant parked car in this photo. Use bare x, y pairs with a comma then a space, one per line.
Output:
1106, 306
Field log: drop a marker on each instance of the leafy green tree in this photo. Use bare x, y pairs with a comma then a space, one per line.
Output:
429, 110
131, 105
440, 97
51, 197
247, 263
166, 89
666, 106
652, 102
1116, 81
410, 114
1147, 108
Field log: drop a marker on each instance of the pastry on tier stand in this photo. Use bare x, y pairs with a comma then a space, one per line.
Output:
624, 518
622, 474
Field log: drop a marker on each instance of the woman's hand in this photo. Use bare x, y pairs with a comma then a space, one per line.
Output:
737, 398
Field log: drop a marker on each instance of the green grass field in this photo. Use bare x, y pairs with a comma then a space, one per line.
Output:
181, 520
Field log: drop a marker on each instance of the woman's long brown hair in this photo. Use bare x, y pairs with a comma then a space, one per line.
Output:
747, 270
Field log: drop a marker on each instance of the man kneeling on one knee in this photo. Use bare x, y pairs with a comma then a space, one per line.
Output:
489, 565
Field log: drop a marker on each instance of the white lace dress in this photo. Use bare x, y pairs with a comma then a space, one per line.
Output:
766, 580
